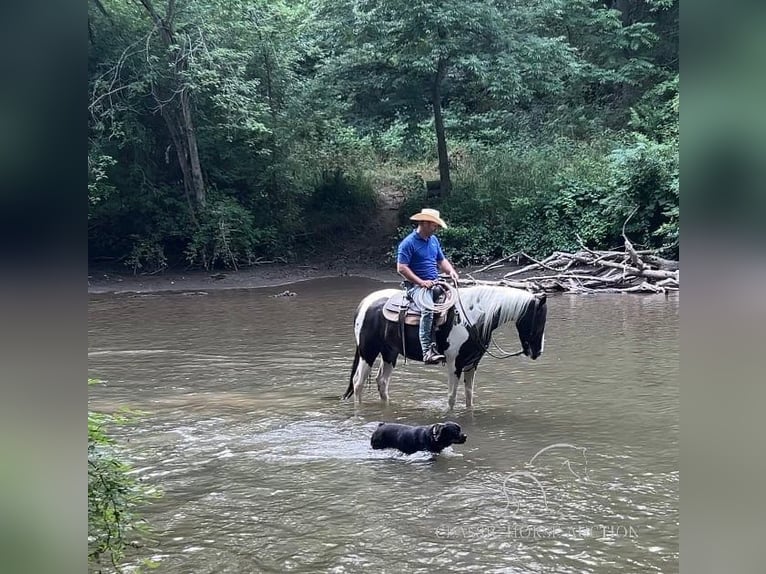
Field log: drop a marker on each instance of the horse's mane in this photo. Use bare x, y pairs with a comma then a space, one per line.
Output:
482, 302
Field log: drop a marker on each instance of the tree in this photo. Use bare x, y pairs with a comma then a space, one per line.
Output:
408, 58
171, 91
158, 62
217, 127
179, 112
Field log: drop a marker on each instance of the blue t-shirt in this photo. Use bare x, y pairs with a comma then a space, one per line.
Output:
421, 255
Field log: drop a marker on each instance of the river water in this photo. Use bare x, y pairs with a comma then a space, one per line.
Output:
571, 463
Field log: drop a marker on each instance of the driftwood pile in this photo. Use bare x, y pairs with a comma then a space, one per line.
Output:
589, 271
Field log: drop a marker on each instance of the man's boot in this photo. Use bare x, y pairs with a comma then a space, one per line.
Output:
432, 356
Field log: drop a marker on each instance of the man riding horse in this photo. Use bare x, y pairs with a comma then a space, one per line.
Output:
419, 260
382, 327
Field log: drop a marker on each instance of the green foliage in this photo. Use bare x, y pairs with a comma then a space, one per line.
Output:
656, 113
645, 180
471, 245
148, 255
114, 496
543, 198
533, 199
405, 141
561, 119
385, 56
227, 236
339, 208
99, 187
646, 176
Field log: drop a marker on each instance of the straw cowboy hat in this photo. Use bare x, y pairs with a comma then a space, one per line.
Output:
429, 215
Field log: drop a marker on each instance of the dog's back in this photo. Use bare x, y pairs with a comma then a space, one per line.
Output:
410, 439
407, 439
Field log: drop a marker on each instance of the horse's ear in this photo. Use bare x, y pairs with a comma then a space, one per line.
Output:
541, 298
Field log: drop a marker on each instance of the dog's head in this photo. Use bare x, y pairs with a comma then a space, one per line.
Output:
445, 434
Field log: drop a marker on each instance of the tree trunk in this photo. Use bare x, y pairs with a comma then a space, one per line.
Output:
197, 182
176, 135
441, 138
176, 108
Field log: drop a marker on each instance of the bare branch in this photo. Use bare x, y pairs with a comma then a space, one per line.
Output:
632, 213
495, 263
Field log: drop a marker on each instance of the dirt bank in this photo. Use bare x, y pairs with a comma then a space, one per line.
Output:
106, 281
271, 275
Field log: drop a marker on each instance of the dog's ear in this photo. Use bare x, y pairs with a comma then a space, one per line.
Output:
436, 431
381, 424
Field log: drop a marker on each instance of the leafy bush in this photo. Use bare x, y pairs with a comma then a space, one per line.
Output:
227, 236
645, 179
114, 496
339, 207
144, 228
99, 186
471, 245
535, 199
656, 113
647, 170
147, 254
543, 198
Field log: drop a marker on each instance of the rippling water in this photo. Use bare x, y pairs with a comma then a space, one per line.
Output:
265, 470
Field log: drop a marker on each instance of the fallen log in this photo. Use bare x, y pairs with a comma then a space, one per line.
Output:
590, 271
661, 263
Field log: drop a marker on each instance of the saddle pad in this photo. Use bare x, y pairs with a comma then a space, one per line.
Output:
396, 302
412, 316
408, 318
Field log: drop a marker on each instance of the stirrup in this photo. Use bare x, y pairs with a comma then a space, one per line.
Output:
432, 356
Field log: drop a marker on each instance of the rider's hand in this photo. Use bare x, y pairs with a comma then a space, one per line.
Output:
428, 283
454, 276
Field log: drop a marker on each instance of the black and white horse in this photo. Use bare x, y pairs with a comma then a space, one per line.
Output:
463, 338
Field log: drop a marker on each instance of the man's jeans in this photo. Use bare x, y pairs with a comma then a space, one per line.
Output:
426, 317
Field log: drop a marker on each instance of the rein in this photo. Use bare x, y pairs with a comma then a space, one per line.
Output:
474, 332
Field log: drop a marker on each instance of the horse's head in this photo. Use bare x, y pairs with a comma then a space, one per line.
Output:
531, 326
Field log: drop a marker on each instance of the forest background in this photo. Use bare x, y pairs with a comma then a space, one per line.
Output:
227, 133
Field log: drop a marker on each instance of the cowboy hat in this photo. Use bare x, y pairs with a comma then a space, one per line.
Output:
429, 215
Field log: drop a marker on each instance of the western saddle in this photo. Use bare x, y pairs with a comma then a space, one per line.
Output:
401, 309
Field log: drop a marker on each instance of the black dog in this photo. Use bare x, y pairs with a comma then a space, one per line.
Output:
408, 439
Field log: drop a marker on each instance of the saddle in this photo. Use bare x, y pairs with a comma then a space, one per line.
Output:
400, 307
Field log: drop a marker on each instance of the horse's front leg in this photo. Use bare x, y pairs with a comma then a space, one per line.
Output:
454, 379
362, 372
468, 379
384, 378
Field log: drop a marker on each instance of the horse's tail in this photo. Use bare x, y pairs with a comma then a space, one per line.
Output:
350, 390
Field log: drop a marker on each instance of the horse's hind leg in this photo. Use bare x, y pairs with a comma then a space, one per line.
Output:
362, 372
468, 378
384, 378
